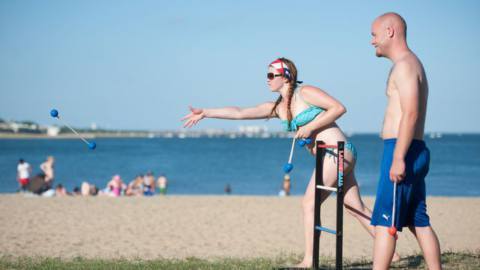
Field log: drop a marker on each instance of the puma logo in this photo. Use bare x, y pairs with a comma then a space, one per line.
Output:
385, 216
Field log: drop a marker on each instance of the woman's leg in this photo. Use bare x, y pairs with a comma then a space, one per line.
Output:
354, 204
308, 203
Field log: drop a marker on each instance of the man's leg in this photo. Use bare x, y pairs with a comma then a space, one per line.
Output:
383, 248
428, 241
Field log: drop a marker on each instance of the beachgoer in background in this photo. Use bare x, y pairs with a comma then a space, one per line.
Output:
135, 187
227, 189
37, 184
47, 169
60, 191
85, 189
149, 184
24, 170
115, 187
88, 189
76, 191
93, 190
286, 185
162, 182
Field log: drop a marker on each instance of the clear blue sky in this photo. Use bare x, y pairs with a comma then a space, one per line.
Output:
139, 64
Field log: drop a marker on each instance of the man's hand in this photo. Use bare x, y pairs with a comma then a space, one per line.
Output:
397, 171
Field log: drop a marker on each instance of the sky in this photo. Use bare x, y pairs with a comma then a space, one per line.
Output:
140, 64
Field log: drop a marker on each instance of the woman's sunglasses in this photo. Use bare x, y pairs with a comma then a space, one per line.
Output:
272, 76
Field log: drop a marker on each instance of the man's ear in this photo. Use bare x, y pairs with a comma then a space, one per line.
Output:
390, 32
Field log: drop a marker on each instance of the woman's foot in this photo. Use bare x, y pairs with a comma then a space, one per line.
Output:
306, 263
395, 257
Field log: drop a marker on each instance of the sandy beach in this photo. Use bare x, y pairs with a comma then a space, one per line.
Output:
201, 226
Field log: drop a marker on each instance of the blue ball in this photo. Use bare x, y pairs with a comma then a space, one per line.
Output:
54, 113
301, 143
288, 167
308, 141
92, 145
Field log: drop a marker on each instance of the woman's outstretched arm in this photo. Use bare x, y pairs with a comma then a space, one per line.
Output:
261, 111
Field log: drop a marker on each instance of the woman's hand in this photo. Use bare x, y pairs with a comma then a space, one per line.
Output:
304, 132
193, 117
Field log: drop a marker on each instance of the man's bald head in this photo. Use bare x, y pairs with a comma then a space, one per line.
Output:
389, 34
394, 21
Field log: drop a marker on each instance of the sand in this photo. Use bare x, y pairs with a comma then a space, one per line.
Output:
202, 226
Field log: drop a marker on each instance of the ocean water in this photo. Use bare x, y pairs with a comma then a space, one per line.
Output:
250, 166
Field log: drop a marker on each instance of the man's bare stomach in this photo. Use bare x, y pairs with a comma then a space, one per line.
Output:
391, 125
392, 133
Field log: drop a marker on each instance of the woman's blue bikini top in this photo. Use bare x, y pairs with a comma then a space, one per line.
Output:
304, 117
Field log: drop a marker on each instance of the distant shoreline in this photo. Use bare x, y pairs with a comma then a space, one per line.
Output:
197, 134
73, 136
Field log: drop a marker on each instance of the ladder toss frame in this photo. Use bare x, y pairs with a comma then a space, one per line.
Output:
321, 150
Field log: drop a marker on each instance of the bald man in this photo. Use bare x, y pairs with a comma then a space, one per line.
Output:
406, 158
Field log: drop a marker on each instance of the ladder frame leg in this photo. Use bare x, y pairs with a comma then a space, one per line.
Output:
340, 197
318, 192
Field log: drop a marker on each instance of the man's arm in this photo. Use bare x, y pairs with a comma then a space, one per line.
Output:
407, 85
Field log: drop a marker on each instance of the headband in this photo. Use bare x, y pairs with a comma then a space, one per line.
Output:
282, 68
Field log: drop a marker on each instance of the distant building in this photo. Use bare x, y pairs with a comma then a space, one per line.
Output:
15, 127
19, 127
53, 131
252, 129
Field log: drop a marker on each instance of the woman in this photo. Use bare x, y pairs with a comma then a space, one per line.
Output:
311, 113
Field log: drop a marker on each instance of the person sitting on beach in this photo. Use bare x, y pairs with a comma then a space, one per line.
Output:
47, 169
85, 189
115, 187
23, 174
162, 184
37, 184
60, 191
227, 189
93, 190
76, 191
311, 113
149, 184
88, 189
135, 187
286, 185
